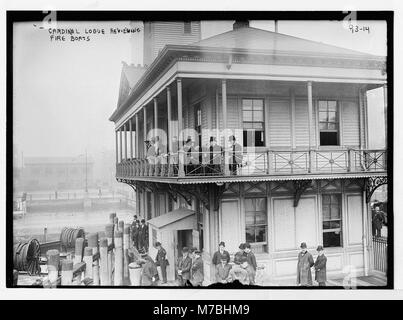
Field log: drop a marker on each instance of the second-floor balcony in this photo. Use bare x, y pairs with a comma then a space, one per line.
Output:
268, 164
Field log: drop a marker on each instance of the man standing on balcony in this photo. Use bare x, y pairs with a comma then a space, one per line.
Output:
151, 156
213, 157
174, 156
305, 263
235, 155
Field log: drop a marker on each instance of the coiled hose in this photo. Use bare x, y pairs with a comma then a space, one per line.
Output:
26, 257
68, 236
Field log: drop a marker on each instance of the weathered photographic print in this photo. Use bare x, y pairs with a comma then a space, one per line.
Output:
232, 153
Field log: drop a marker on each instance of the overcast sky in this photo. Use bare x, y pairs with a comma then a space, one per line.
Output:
64, 92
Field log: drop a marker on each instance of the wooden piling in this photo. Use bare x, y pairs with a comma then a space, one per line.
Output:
93, 243
118, 275
116, 224
121, 226
67, 272
53, 265
79, 250
112, 217
109, 231
104, 273
88, 261
126, 247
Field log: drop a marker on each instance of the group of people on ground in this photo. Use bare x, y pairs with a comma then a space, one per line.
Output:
211, 156
139, 231
305, 263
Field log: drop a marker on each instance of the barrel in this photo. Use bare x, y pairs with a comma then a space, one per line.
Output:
135, 274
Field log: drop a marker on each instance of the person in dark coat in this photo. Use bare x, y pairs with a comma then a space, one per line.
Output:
135, 234
377, 221
235, 155
252, 265
197, 269
149, 272
222, 271
220, 254
240, 254
183, 267
161, 261
143, 236
320, 267
305, 263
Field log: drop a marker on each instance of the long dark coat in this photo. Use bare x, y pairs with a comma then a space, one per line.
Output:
185, 265
143, 237
304, 275
197, 272
320, 268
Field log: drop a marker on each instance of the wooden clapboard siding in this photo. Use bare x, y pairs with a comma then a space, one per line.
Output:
234, 115
205, 126
301, 123
172, 32
279, 123
350, 123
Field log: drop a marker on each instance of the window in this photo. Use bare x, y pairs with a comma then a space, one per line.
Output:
253, 122
256, 223
187, 27
328, 123
331, 211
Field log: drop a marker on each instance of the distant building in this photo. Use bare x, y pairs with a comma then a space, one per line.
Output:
56, 173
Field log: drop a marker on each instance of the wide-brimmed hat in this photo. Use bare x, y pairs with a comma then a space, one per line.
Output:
222, 243
319, 248
303, 245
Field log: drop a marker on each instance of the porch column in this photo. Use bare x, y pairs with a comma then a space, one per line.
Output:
131, 138
136, 117
169, 144
181, 172
120, 143
224, 121
365, 230
117, 146
145, 128
125, 130
155, 114
310, 131
385, 105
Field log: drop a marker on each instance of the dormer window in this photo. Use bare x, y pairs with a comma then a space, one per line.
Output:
187, 27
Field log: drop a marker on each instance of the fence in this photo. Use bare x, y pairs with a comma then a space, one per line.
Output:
380, 247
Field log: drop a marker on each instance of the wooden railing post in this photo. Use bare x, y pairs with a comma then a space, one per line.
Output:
349, 159
53, 257
93, 243
88, 262
104, 272
310, 155
67, 272
118, 276
126, 247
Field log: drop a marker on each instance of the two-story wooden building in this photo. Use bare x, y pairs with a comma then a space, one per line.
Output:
298, 111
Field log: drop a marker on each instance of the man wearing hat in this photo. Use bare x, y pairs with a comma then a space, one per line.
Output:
197, 269
151, 156
183, 267
305, 263
174, 156
252, 265
235, 154
143, 235
320, 267
135, 232
161, 261
220, 254
149, 272
212, 157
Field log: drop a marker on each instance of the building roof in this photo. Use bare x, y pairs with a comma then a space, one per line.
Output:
132, 73
258, 39
171, 217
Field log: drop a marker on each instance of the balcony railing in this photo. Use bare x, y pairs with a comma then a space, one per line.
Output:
255, 163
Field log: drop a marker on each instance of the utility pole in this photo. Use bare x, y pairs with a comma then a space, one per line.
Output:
86, 185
